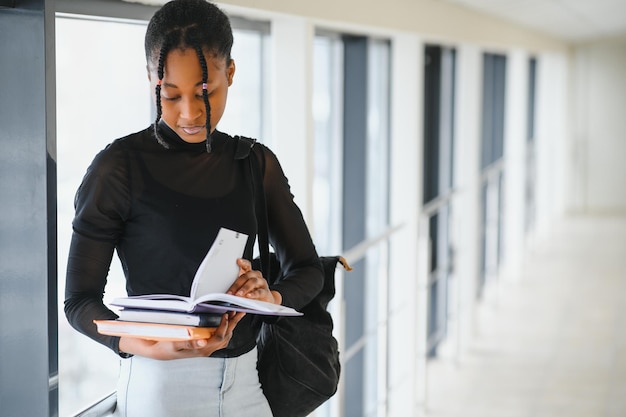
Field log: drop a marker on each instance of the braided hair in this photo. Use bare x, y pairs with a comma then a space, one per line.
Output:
187, 24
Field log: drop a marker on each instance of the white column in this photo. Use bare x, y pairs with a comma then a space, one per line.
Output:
578, 162
552, 129
516, 126
466, 205
406, 172
292, 119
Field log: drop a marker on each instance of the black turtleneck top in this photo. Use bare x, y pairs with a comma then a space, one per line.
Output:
160, 207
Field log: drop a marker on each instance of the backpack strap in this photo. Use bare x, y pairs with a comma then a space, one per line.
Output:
244, 146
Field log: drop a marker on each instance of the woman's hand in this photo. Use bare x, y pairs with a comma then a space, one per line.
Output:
251, 284
165, 350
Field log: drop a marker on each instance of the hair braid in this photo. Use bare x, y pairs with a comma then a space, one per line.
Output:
163, 53
205, 96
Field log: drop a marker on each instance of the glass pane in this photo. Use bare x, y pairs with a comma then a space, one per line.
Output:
377, 221
377, 138
532, 94
246, 111
446, 129
327, 118
95, 77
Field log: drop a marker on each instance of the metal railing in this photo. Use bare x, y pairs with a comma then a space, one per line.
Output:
352, 256
426, 279
101, 408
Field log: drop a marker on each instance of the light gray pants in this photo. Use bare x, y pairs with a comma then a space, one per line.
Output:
196, 387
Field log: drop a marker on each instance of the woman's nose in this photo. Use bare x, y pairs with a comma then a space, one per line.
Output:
191, 109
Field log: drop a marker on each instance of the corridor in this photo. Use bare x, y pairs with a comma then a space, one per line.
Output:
551, 343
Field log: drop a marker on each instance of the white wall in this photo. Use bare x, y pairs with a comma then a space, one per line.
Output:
551, 138
597, 161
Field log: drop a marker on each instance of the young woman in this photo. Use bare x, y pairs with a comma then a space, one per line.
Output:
158, 197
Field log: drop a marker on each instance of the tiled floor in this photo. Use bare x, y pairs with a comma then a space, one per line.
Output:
552, 343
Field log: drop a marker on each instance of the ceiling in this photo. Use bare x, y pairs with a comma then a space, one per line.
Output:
572, 20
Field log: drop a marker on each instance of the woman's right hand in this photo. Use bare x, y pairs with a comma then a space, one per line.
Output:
166, 350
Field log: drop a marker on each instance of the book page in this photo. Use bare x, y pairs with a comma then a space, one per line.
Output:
155, 302
228, 302
219, 269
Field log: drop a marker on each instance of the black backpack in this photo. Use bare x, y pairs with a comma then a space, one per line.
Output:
298, 360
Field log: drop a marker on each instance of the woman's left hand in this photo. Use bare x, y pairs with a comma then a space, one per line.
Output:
251, 284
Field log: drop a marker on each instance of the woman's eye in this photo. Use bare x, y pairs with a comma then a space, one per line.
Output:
169, 98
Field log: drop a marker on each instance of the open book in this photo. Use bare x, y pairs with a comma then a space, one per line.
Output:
214, 276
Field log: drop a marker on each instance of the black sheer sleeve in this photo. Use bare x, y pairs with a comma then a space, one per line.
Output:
87, 268
289, 237
101, 205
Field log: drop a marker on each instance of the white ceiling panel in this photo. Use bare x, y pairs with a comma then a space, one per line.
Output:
573, 20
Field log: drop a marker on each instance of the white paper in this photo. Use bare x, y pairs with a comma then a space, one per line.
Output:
219, 268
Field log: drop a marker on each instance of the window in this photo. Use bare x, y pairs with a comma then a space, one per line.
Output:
328, 126
351, 115
439, 91
91, 86
530, 148
492, 147
248, 99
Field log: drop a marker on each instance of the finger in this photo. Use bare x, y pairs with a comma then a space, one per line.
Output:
244, 266
199, 344
246, 283
222, 329
240, 282
254, 283
237, 284
218, 340
265, 294
235, 319
183, 346
258, 293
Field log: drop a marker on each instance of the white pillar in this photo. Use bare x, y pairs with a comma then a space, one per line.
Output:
515, 139
552, 107
406, 172
292, 118
466, 204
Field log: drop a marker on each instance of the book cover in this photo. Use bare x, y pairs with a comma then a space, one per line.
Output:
170, 317
214, 276
153, 331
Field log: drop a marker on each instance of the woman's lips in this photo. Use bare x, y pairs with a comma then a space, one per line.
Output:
192, 130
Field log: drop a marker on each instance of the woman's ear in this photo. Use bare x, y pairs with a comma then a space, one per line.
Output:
230, 72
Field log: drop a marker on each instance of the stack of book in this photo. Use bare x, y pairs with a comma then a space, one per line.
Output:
160, 325
176, 317
181, 318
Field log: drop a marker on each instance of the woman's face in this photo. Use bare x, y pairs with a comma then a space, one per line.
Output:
182, 103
